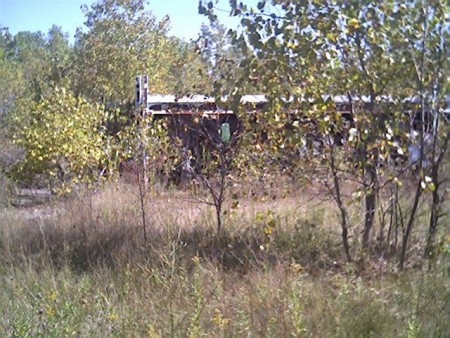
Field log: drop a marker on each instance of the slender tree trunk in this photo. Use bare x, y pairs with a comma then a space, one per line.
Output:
344, 225
370, 196
420, 72
393, 220
372, 187
409, 226
223, 169
437, 200
219, 217
342, 210
143, 172
370, 205
434, 217
418, 194
382, 218
142, 194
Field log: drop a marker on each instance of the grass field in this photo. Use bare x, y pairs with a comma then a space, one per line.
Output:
80, 267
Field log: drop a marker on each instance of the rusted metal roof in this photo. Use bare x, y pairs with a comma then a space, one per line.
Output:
159, 104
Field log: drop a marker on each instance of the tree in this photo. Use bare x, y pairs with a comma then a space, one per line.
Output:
64, 141
10, 75
427, 34
190, 71
146, 145
33, 65
61, 58
302, 54
222, 58
30, 53
123, 40
210, 162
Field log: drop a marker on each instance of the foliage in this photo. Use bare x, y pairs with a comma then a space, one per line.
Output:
190, 71
122, 41
207, 158
61, 58
81, 268
222, 58
309, 58
429, 51
9, 81
306, 56
64, 141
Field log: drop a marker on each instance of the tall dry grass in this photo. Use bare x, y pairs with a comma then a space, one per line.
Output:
81, 267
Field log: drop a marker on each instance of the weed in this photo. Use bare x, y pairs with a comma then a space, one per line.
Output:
83, 269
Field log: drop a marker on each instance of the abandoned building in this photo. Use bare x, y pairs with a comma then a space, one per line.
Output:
197, 120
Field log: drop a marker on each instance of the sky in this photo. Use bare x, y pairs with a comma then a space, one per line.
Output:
40, 15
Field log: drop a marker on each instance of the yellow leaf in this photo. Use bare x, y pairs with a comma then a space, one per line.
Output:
353, 23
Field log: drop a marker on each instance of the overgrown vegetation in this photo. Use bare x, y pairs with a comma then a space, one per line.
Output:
329, 204
74, 268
